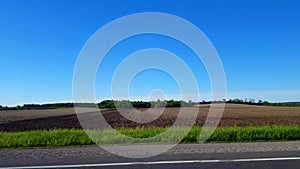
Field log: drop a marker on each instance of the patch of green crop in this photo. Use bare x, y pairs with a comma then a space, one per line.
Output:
53, 138
69, 137
251, 134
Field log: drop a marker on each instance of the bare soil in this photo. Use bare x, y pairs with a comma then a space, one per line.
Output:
234, 115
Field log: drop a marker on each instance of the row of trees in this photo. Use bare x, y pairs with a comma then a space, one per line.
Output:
143, 104
246, 101
290, 104
47, 106
262, 103
173, 103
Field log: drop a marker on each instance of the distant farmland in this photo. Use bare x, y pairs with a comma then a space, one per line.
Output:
234, 115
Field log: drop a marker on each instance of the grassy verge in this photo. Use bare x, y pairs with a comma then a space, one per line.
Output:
57, 138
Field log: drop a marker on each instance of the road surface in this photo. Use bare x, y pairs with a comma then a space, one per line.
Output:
225, 156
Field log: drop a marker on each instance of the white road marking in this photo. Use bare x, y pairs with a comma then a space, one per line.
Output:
155, 163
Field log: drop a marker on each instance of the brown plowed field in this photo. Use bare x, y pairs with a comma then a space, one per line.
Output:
234, 115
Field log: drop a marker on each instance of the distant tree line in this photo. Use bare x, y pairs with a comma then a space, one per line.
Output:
143, 104
250, 101
107, 104
47, 106
290, 104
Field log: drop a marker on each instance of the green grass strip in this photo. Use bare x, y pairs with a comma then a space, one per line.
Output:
256, 134
52, 138
58, 138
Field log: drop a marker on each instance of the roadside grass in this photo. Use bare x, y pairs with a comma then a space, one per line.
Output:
71, 137
44, 138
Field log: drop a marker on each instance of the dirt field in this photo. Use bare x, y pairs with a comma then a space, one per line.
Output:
234, 115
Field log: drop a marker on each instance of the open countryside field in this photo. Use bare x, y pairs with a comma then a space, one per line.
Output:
234, 115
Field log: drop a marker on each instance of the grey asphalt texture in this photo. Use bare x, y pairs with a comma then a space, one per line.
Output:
96, 155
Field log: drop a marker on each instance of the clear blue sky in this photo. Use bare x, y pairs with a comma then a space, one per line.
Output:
257, 41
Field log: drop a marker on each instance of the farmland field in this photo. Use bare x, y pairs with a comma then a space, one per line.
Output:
234, 115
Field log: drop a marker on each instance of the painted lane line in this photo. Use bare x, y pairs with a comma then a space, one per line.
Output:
154, 163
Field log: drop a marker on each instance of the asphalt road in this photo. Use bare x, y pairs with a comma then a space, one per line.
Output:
225, 156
